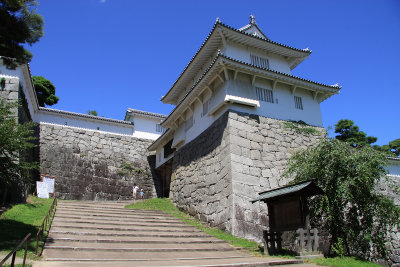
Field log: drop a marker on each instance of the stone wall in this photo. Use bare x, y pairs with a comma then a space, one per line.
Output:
201, 179
389, 187
93, 165
237, 157
260, 149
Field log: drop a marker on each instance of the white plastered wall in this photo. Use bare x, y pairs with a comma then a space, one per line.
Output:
242, 53
78, 122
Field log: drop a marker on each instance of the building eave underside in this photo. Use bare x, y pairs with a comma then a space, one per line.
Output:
213, 42
217, 67
80, 116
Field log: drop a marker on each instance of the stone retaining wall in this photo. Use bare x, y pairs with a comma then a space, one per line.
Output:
237, 157
389, 188
201, 179
93, 165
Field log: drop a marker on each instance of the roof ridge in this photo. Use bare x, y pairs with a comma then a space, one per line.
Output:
147, 112
83, 115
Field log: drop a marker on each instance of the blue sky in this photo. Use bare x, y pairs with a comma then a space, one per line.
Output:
108, 55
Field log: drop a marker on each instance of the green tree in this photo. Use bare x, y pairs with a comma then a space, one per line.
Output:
15, 140
351, 209
395, 147
350, 133
19, 25
92, 112
45, 91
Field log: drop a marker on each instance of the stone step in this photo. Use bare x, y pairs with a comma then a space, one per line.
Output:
108, 208
137, 246
61, 238
71, 254
116, 219
155, 224
112, 212
209, 262
122, 228
107, 215
90, 202
54, 232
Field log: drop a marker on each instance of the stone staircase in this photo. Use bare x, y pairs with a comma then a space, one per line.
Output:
106, 234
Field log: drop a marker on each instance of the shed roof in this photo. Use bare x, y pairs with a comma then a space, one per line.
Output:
308, 188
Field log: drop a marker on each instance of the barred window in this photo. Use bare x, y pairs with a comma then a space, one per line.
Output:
205, 108
298, 103
265, 95
259, 61
160, 129
189, 123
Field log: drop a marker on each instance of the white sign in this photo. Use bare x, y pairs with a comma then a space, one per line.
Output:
50, 182
42, 189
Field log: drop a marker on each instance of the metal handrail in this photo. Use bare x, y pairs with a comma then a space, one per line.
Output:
14, 252
46, 222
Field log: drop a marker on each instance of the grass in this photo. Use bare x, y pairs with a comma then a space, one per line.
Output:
343, 262
20, 220
166, 205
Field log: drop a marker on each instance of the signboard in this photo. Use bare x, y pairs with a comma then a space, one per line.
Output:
42, 190
50, 183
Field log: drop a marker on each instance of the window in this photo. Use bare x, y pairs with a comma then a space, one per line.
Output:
189, 123
159, 128
265, 95
205, 108
298, 103
259, 61
168, 150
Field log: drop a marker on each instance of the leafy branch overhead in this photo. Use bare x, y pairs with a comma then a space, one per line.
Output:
19, 25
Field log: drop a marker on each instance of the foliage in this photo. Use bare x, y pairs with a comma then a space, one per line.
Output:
167, 206
301, 127
19, 25
15, 140
20, 220
338, 247
395, 146
93, 113
351, 208
344, 262
2, 83
392, 149
45, 91
350, 133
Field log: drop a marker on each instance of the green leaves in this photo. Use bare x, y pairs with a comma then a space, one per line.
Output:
351, 208
45, 91
351, 134
15, 140
19, 25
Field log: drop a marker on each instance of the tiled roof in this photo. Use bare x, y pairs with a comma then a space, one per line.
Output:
308, 187
220, 55
146, 113
281, 73
218, 22
69, 113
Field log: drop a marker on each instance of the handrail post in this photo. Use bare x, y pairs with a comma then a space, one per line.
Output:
26, 251
13, 259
